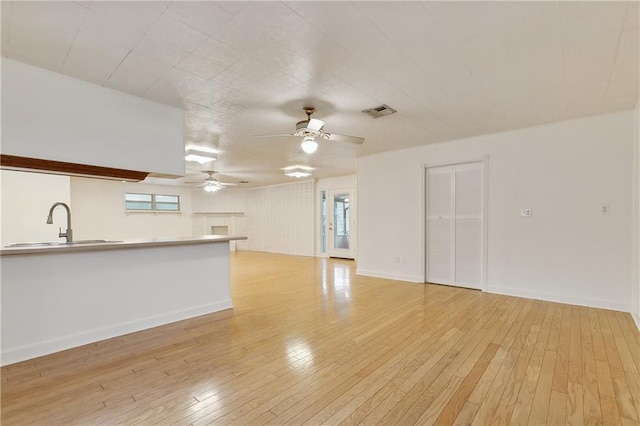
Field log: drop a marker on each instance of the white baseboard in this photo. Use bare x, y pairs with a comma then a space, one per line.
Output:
13, 355
570, 300
397, 277
636, 319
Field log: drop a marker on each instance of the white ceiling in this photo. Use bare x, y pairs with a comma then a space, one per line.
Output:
240, 69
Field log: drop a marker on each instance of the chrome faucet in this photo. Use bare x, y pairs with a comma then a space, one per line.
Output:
69, 234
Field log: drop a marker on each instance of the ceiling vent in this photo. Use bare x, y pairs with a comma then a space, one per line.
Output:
380, 111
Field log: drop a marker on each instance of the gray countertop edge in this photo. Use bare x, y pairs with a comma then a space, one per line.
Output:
119, 245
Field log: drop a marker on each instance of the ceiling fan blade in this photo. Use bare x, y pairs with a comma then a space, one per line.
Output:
275, 136
192, 182
315, 124
345, 138
226, 183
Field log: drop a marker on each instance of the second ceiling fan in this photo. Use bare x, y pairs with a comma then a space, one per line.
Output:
212, 184
312, 129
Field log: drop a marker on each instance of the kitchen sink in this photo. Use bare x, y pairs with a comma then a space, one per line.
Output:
60, 243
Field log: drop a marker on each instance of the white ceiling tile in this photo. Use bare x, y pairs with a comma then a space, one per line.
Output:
202, 67
273, 84
47, 54
205, 17
341, 93
302, 69
173, 87
85, 72
177, 33
308, 41
108, 29
541, 70
203, 98
5, 24
585, 99
93, 59
251, 69
65, 13
275, 55
532, 35
591, 23
628, 47
233, 7
160, 51
234, 34
462, 20
136, 74
40, 42
140, 15
232, 80
632, 16
488, 60
272, 18
581, 67
41, 28
625, 72
220, 53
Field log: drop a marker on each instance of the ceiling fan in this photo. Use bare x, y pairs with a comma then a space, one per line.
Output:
312, 129
212, 184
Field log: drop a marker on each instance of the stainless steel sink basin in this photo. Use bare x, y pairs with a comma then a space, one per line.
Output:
59, 243
91, 242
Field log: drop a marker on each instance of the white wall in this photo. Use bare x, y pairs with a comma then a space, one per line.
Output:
222, 208
567, 251
636, 218
278, 219
52, 116
26, 199
99, 212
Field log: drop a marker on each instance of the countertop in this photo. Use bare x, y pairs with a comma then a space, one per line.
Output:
118, 245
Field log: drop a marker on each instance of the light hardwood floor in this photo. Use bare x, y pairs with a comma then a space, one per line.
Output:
309, 342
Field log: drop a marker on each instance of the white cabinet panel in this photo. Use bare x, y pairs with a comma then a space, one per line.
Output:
50, 116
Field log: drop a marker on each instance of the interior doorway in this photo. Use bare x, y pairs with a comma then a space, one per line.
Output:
340, 223
455, 224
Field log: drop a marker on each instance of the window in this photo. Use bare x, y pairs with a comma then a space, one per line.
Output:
152, 202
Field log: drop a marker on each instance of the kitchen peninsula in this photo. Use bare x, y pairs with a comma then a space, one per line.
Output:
61, 296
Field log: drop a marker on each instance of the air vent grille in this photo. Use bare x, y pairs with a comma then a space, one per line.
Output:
380, 111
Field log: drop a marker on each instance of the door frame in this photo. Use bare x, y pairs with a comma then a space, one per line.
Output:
484, 160
352, 221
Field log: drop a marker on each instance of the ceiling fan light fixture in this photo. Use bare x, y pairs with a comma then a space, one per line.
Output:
212, 187
309, 144
298, 171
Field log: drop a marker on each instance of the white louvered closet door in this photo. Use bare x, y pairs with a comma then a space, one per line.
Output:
454, 225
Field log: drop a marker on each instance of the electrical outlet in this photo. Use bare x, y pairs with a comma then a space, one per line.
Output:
526, 212
604, 209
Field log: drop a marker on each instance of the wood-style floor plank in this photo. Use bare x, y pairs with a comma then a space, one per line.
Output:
309, 342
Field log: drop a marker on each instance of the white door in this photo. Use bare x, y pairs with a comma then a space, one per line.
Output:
340, 223
454, 225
